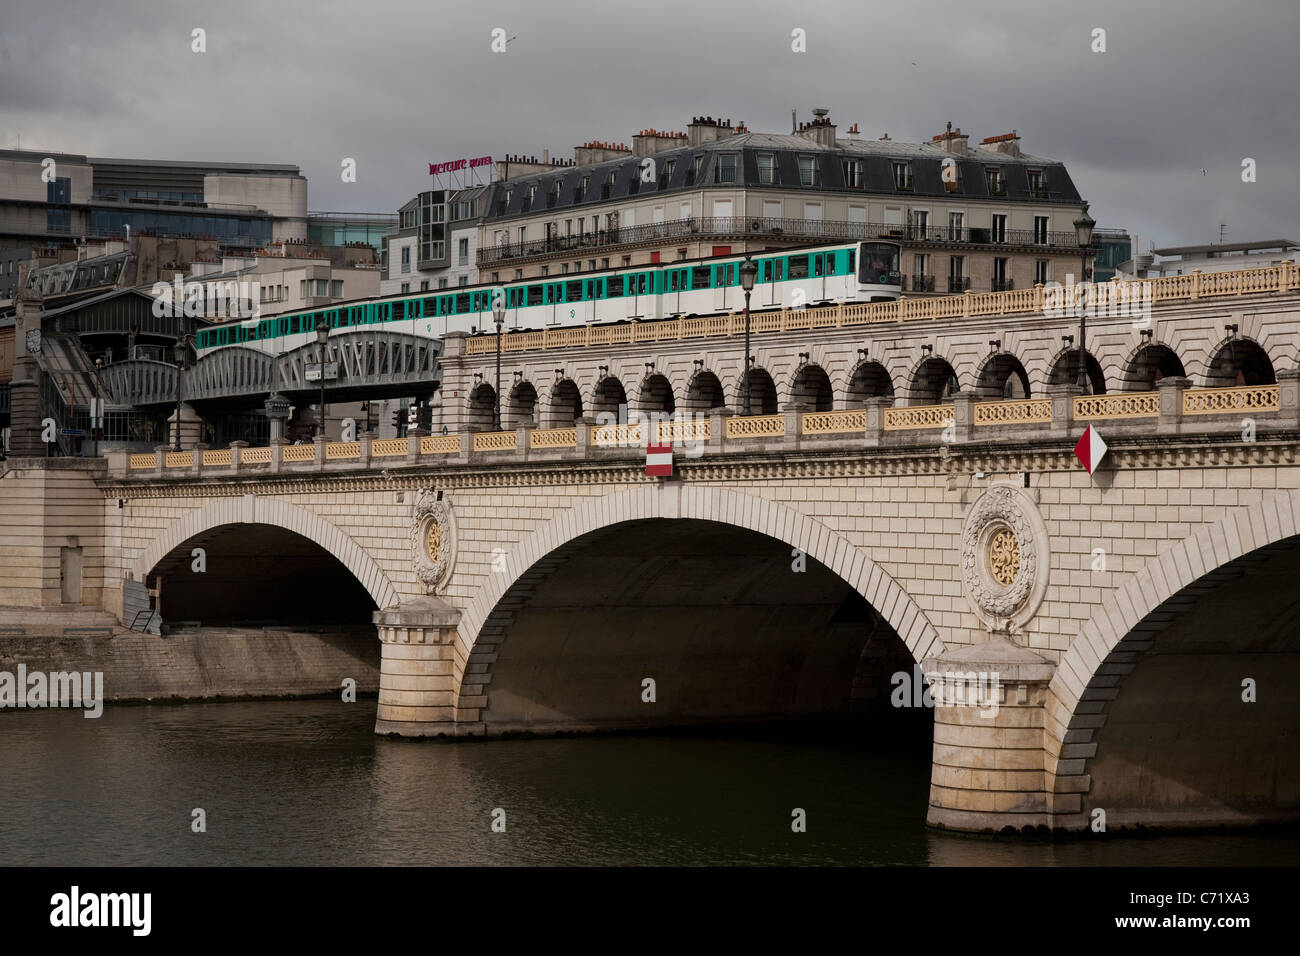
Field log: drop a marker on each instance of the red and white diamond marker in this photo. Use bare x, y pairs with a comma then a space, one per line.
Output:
659, 460
1090, 450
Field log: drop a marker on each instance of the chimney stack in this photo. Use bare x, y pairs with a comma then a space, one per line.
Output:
819, 129
1008, 143
952, 140
705, 129
650, 141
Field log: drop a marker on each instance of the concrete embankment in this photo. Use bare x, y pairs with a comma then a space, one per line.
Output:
194, 663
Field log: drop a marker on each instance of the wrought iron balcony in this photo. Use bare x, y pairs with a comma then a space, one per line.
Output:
730, 227
958, 283
921, 284
1003, 285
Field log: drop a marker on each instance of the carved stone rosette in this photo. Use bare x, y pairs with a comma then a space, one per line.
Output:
1004, 558
433, 541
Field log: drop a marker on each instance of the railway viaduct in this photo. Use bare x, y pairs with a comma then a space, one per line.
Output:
1139, 626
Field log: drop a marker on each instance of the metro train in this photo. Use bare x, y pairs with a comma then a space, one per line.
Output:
851, 272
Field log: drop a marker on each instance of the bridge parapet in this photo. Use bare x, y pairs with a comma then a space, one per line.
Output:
1172, 409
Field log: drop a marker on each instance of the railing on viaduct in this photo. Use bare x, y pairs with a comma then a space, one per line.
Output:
1120, 295
1173, 409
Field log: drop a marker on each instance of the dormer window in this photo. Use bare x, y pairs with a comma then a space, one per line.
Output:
996, 185
697, 167
767, 169
852, 173
554, 197
903, 176
808, 170
666, 176
1037, 184
726, 169
607, 189
582, 188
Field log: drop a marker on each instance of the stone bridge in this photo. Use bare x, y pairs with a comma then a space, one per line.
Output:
1139, 627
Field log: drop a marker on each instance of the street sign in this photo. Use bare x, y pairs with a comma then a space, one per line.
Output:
659, 460
331, 371
1090, 450
73, 432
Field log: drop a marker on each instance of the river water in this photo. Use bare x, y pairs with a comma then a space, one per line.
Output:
307, 782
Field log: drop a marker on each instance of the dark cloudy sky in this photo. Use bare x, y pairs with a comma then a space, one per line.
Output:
1183, 87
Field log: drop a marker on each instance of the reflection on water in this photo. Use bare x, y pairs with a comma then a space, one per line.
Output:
306, 782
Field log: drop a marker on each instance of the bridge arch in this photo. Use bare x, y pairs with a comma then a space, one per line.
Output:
521, 406
1239, 360
565, 406
811, 386
250, 509
607, 395
656, 394
933, 379
1088, 679
704, 392
1147, 364
868, 379
719, 505
481, 408
762, 392
1001, 375
1064, 370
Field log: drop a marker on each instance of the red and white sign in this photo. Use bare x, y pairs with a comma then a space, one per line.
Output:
1090, 450
437, 169
659, 460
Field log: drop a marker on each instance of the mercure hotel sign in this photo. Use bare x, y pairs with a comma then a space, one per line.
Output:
437, 169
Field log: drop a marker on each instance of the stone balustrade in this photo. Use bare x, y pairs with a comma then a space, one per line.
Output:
1174, 408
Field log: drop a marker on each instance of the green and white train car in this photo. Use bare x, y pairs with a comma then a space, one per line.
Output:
846, 272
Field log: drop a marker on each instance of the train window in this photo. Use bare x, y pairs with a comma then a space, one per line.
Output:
729, 274
700, 277
534, 295
399, 310
614, 287
590, 290
573, 291
819, 264
431, 306
798, 267
672, 281
462, 302
853, 255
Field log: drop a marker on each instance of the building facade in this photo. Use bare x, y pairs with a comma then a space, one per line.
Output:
435, 245
978, 218
63, 197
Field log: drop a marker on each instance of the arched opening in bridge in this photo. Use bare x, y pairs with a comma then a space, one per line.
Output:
1003, 377
704, 392
256, 609
760, 397
566, 404
812, 387
481, 410
1065, 371
522, 404
869, 380
934, 382
1196, 708
1149, 365
1240, 362
727, 624
608, 395
656, 394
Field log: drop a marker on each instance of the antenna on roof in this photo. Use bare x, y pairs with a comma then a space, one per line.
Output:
794, 122
1223, 229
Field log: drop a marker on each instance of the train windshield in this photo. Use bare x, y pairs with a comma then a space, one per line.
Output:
878, 263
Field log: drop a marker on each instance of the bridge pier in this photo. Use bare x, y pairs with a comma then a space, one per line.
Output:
988, 772
417, 695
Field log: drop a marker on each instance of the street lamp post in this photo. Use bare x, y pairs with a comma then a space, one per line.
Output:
322, 337
181, 354
1083, 229
748, 273
499, 317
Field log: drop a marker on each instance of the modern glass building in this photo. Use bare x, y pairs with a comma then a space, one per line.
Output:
341, 228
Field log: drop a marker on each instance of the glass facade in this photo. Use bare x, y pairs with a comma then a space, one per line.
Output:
341, 230
228, 229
